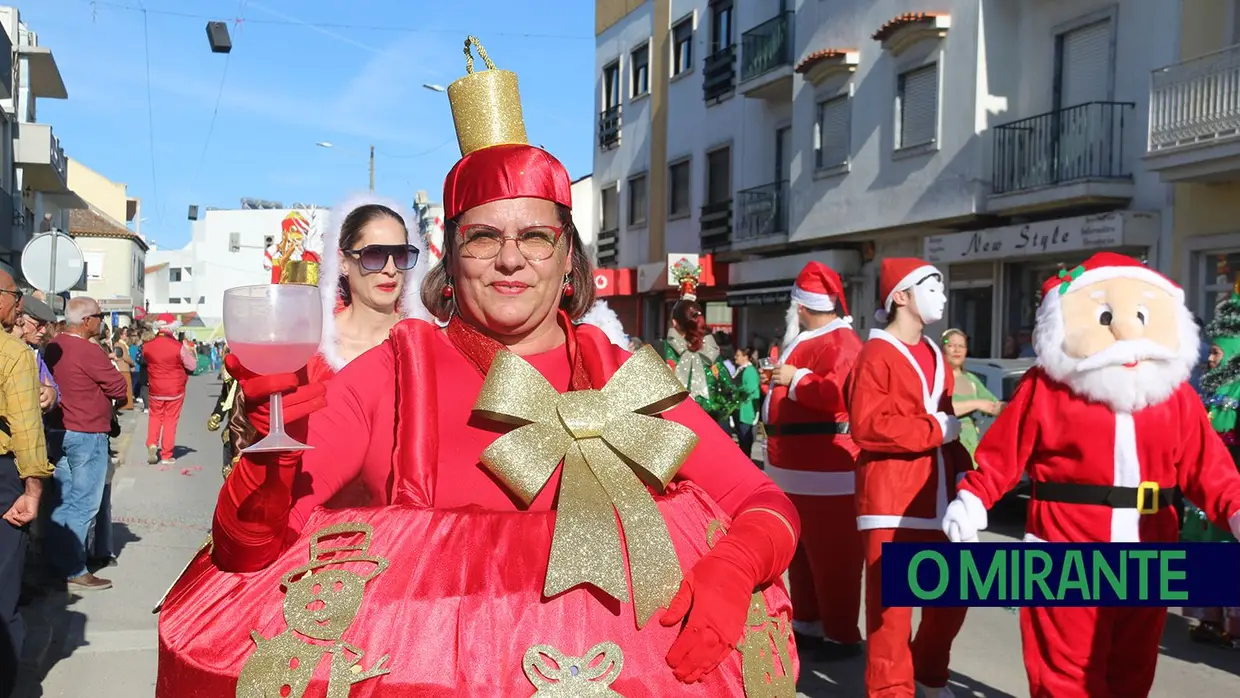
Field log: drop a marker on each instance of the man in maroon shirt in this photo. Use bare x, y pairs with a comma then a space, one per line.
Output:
167, 371
78, 438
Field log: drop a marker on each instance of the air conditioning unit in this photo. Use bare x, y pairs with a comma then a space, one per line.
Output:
234, 242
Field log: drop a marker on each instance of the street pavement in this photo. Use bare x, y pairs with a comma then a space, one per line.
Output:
103, 644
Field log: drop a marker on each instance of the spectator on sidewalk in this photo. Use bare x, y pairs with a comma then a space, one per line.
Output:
31, 327
23, 469
168, 365
140, 338
124, 363
78, 432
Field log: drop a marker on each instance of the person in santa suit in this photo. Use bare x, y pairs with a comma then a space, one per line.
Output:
552, 515
813, 459
901, 419
1089, 423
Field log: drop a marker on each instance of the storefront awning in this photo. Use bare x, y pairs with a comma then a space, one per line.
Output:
766, 295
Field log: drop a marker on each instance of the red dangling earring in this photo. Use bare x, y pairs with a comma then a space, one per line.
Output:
568, 290
447, 291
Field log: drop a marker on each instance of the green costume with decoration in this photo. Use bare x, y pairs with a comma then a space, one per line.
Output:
703, 373
1222, 386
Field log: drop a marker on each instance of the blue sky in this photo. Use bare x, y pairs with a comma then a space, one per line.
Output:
301, 71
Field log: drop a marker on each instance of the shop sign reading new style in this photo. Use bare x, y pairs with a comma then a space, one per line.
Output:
1083, 233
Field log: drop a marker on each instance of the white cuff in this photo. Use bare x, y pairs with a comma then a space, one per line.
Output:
976, 510
950, 426
796, 378
1235, 524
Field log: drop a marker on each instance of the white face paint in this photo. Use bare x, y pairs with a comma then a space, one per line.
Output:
930, 299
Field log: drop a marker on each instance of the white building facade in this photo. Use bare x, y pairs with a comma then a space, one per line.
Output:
228, 248
1000, 140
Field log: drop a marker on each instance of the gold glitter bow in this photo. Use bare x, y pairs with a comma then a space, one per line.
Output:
574, 677
610, 444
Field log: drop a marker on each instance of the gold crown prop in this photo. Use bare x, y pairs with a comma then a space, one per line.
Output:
486, 106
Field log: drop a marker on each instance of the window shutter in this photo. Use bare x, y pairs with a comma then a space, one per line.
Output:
834, 132
1086, 65
919, 106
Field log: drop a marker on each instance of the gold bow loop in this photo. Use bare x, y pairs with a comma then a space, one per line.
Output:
612, 446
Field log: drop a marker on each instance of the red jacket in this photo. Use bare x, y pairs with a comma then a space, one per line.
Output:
813, 458
165, 370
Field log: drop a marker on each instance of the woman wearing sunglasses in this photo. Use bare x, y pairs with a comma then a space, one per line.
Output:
558, 518
369, 278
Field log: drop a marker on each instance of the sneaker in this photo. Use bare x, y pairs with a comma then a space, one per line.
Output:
152, 454
168, 461
88, 582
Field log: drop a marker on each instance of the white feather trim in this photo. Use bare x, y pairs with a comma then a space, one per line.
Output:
329, 271
603, 317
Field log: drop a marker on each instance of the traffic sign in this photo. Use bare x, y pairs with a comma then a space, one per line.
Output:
52, 262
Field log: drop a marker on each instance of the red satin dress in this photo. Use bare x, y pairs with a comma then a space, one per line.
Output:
442, 593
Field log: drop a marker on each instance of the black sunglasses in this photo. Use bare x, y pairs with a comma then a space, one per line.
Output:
375, 257
98, 316
17, 295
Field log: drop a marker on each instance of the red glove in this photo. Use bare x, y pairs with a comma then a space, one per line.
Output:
301, 398
715, 595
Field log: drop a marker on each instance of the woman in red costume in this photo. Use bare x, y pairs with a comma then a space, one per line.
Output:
370, 278
559, 519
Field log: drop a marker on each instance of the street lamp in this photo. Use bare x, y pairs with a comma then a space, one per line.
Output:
328, 144
434, 88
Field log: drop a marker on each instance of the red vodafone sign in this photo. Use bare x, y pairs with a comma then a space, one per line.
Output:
613, 282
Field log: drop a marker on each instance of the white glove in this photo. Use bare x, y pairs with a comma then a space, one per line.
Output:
965, 517
950, 426
1235, 524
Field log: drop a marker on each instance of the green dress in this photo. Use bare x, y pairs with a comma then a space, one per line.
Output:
703, 373
969, 433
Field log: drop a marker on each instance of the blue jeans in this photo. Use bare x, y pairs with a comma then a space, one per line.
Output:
81, 473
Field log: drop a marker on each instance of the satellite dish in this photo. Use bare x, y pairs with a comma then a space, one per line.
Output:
52, 262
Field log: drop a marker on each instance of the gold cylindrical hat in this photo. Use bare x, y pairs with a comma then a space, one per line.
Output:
486, 106
299, 272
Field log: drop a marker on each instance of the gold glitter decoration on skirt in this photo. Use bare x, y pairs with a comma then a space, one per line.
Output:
486, 106
322, 599
612, 446
588, 676
766, 639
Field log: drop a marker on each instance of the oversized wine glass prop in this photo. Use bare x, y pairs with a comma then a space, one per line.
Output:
273, 329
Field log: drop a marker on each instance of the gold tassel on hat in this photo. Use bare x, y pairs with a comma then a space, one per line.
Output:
486, 106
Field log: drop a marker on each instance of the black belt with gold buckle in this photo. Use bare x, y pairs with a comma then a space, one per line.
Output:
1146, 498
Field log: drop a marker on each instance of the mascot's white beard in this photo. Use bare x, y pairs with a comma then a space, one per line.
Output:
792, 325
1103, 377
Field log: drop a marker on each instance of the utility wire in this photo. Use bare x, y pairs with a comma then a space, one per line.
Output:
334, 25
150, 120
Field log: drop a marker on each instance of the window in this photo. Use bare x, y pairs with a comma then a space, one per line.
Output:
721, 26
719, 176
833, 133
94, 265
234, 242
678, 189
1084, 57
640, 70
682, 46
202, 299
174, 274
611, 86
637, 202
611, 209
174, 300
917, 107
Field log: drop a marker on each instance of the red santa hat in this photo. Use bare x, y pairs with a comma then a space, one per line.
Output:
1104, 266
899, 274
819, 288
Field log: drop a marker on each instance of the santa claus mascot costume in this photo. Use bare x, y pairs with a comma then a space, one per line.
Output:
811, 456
1108, 429
900, 406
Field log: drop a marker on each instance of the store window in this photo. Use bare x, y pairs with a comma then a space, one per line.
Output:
1219, 274
970, 305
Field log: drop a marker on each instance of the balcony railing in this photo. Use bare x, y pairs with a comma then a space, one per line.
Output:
719, 74
763, 212
607, 247
767, 46
1067, 145
609, 128
1195, 101
716, 226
